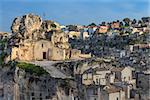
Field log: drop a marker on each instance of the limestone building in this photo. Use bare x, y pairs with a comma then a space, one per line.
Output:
41, 40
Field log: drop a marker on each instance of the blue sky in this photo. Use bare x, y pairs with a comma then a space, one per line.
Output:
73, 11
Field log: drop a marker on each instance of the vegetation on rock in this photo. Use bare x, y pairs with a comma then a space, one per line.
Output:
31, 68
3, 52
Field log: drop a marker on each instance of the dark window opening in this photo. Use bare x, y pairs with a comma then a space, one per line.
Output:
40, 94
44, 55
27, 37
32, 94
32, 35
97, 81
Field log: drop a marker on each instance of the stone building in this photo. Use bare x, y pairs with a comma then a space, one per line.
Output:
96, 76
143, 82
103, 29
34, 43
115, 25
111, 92
74, 34
143, 79
93, 92
124, 74
108, 92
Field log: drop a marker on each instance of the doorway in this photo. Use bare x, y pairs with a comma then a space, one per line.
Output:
44, 55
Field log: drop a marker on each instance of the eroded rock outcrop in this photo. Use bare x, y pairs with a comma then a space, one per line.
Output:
60, 40
31, 26
37, 39
26, 25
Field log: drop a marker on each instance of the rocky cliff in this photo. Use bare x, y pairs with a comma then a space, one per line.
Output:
31, 27
20, 83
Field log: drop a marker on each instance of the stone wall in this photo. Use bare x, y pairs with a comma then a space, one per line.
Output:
33, 42
16, 84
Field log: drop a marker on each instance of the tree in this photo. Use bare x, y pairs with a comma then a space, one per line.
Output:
103, 23
139, 22
72, 28
92, 24
121, 24
4, 53
126, 21
53, 25
145, 19
134, 21
118, 21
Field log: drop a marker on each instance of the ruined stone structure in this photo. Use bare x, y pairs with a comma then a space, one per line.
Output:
39, 40
16, 84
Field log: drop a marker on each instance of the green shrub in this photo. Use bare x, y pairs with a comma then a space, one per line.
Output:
2, 54
2, 57
32, 69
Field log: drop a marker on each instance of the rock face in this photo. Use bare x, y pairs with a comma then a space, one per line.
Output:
32, 27
26, 25
15, 25
39, 40
48, 25
16, 84
60, 40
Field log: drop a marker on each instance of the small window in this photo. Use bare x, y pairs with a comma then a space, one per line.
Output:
40, 94
42, 45
32, 35
124, 78
117, 98
32, 94
96, 80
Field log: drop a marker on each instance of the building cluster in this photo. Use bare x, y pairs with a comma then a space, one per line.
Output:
125, 27
42, 60
109, 84
105, 79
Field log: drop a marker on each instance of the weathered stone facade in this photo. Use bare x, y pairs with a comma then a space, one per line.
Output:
33, 42
16, 84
